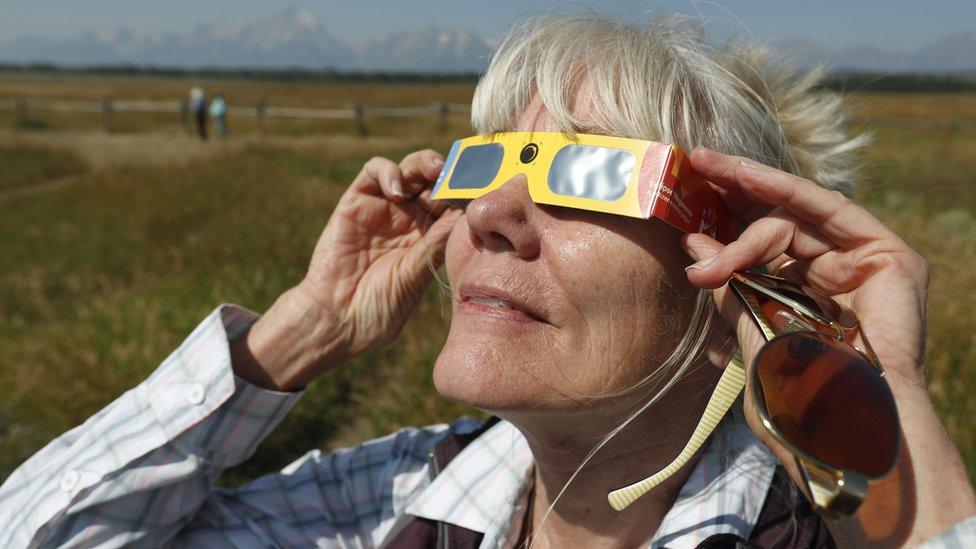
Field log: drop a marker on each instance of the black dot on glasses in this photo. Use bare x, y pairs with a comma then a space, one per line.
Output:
529, 152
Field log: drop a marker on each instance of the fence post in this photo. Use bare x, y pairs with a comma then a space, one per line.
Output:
107, 115
442, 116
360, 115
185, 115
22, 109
259, 112
949, 128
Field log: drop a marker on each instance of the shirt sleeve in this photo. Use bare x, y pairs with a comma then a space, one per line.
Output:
959, 536
139, 470
346, 498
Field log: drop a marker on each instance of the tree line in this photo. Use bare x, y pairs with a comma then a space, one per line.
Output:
837, 81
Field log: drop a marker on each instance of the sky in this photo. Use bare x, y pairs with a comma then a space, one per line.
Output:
890, 25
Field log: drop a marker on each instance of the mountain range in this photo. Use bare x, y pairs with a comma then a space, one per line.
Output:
289, 38
297, 38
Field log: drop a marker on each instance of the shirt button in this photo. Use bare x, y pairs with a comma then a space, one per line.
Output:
195, 393
69, 480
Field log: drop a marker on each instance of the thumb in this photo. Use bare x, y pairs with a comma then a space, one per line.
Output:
703, 249
428, 253
700, 248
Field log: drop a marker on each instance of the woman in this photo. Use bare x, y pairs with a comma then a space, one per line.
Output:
565, 322
218, 112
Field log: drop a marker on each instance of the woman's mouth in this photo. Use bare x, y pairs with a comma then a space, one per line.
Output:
494, 303
501, 303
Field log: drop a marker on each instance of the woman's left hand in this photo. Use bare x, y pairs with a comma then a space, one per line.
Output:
842, 250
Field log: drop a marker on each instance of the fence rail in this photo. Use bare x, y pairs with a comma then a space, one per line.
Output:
107, 107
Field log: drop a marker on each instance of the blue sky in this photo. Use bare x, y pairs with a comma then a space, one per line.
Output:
894, 24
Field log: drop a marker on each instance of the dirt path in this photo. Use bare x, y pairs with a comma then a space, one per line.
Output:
40, 187
102, 152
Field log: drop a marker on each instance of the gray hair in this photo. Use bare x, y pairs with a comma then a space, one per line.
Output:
663, 81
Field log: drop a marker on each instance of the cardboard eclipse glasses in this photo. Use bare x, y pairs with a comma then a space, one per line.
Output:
614, 175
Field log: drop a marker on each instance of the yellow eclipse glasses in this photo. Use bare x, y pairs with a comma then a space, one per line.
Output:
598, 173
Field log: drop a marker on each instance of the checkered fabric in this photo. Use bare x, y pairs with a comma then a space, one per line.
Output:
142, 471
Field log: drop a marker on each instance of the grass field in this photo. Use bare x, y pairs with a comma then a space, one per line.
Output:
142, 233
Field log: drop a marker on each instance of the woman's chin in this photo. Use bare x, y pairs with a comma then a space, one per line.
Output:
478, 376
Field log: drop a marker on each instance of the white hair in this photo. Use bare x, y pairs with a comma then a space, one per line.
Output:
663, 81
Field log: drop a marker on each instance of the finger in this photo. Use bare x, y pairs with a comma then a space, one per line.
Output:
381, 177
840, 219
428, 253
763, 241
742, 208
420, 170
434, 207
699, 247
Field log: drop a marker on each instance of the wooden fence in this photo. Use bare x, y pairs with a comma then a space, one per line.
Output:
358, 113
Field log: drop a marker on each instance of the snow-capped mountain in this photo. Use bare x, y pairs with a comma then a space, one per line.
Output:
290, 38
952, 53
297, 38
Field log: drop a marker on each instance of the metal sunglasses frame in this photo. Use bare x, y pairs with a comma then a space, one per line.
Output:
834, 491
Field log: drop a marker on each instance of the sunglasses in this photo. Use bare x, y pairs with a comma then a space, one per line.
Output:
598, 173
822, 398
819, 396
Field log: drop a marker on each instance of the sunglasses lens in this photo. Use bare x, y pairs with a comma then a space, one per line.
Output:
828, 401
600, 173
477, 166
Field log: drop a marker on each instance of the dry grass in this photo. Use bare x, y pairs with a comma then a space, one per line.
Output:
239, 93
24, 165
103, 277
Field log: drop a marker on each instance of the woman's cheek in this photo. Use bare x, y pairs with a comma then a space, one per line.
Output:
458, 250
585, 261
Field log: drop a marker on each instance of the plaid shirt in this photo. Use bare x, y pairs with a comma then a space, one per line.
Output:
141, 472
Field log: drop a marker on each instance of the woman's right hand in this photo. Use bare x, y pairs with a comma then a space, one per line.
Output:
369, 269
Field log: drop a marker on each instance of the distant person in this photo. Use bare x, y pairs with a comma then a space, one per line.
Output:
218, 111
198, 106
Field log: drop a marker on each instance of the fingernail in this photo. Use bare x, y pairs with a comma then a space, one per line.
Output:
437, 162
747, 166
396, 188
701, 264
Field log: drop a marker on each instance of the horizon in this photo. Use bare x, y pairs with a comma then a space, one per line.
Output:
419, 38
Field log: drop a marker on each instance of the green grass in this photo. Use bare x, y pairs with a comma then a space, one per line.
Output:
923, 184
104, 277
108, 275
22, 165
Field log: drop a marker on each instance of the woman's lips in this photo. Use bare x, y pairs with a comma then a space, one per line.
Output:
501, 312
495, 303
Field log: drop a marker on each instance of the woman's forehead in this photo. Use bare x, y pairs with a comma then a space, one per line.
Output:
536, 116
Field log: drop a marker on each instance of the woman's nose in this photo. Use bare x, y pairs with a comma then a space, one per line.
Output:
501, 221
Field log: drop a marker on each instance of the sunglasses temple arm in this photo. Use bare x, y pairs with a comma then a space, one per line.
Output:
729, 386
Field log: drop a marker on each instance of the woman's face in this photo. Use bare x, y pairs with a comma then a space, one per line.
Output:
553, 306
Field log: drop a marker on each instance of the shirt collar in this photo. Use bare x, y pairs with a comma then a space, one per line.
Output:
484, 488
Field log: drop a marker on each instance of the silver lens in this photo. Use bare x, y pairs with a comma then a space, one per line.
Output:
477, 166
600, 173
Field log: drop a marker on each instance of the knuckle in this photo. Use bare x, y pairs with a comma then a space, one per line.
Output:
909, 263
839, 198
918, 264
379, 162
410, 157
